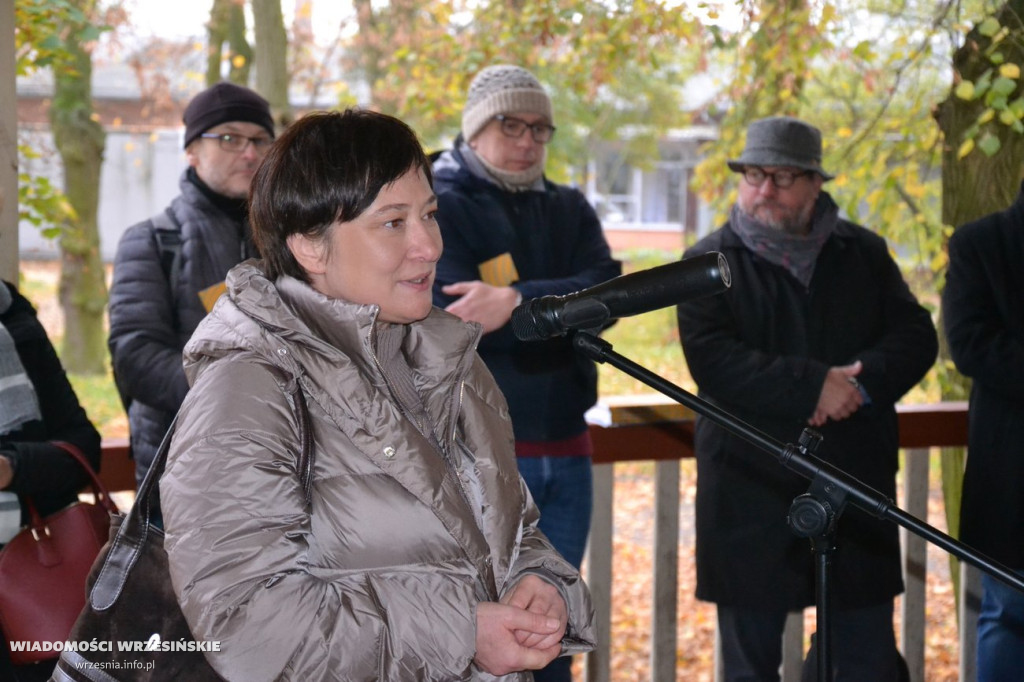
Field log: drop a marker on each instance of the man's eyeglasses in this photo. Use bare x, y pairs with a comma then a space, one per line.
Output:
782, 179
515, 127
230, 142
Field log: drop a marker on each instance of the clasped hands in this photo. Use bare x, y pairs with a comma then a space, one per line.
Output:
840, 395
522, 631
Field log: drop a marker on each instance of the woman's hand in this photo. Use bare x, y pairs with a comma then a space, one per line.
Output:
537, 595
498, 649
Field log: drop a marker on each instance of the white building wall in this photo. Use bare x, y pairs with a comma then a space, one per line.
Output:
139, 178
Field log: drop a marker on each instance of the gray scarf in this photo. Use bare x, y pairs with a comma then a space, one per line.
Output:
18, 401
796, 253
531, 178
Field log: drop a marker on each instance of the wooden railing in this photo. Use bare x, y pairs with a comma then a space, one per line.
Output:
655, 429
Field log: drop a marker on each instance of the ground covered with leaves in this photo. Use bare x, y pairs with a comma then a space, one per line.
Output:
631, 599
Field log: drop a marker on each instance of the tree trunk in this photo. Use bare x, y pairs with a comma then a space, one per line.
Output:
974, 186
367, 45
227, 25
8, 148
80, 141
272, 59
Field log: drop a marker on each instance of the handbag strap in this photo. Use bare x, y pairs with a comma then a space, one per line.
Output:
35, 520
131, 536
99, 489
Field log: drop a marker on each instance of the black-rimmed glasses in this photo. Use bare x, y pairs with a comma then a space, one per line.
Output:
515, 127
782, 179
230, 142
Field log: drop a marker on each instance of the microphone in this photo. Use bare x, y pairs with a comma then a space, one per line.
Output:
639, 292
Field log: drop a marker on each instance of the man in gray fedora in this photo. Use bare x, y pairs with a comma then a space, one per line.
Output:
818, 330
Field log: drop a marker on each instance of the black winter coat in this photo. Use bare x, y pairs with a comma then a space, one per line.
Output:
983, 313
761, 351
150, 323
558, 247
42, 470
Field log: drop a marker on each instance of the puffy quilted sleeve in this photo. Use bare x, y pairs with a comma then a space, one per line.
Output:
145, 347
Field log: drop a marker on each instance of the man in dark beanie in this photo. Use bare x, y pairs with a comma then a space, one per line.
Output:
511, 234
169, 269
820, 330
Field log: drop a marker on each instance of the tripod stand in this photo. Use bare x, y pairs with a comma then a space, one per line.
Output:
814, 515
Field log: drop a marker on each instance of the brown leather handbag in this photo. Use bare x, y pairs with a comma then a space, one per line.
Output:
131, 600
43, 570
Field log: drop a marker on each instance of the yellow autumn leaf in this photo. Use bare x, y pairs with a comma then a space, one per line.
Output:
1009, 71
844, 132
965, 90
966, 148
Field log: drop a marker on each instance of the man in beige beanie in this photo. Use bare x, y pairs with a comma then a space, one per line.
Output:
511, 234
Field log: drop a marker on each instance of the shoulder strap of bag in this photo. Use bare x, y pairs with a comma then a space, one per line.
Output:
131, 536
168, 240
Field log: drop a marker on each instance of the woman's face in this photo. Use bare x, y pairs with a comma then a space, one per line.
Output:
386, 256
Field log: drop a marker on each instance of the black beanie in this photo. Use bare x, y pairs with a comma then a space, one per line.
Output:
225, 102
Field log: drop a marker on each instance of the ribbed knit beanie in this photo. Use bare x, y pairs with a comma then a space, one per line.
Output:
225, 102
502, 89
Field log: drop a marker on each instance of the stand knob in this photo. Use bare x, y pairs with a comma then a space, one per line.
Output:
809, 517
810, 440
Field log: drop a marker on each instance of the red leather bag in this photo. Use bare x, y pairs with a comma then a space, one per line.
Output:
44, 567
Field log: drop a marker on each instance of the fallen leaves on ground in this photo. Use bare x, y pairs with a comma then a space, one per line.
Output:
632, 570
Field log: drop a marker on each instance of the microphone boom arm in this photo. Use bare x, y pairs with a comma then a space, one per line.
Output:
798, 459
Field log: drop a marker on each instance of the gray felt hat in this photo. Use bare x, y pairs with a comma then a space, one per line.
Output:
782, 141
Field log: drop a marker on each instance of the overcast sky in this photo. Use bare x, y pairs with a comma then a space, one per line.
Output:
184, 18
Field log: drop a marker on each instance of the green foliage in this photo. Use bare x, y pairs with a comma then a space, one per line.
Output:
870, 98
41, 41
41, 203
995, 43
651, 339
607, 66
38, 42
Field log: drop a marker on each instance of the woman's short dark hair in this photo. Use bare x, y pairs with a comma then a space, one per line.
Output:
326, 167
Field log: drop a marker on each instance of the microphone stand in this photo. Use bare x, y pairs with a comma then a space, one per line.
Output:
814, 514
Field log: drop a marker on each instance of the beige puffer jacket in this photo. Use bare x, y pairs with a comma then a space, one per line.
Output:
380, 578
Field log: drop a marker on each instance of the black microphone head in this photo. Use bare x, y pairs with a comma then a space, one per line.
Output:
525, 323
639, 292
548, 316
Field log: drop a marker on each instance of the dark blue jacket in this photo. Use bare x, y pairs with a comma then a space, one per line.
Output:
558, 247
